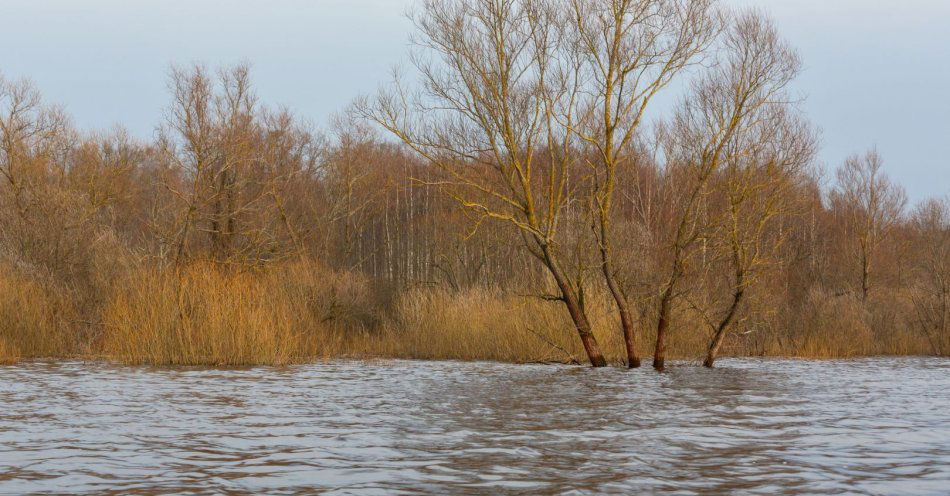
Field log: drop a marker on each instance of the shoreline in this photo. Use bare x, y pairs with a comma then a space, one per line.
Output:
674, 362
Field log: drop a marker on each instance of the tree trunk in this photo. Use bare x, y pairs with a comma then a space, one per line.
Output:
865, 274
569, 297
720, 335
662, 325
626, 323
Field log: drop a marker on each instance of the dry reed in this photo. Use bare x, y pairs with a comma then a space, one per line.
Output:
35, 318
490, 324
8, 354
206, 314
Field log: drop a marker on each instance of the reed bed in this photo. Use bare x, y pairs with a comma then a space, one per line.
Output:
491, 324
206, 315
8, 354
199, 316
209, 314
36, 319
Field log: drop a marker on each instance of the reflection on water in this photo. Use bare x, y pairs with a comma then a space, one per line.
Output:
877, 426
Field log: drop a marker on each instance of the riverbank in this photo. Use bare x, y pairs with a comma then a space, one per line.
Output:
296, 313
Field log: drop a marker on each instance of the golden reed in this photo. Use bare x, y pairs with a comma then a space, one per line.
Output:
207, 314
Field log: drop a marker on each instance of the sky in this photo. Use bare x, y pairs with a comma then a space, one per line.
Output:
877, 72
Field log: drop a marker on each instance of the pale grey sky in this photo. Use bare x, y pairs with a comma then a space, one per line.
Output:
877, 71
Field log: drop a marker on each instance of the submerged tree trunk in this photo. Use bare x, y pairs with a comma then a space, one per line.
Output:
662, 326
663, 317
626, 323
571, 301
716, 343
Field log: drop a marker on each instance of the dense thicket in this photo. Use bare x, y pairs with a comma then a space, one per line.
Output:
239, 234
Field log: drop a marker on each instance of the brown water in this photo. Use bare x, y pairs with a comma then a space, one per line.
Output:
876, 426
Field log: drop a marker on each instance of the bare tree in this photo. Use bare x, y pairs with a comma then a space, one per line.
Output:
230, 172
191, 116
759, 193
288, 157
31, 134
931, 222
485, 117
710, 129
229, 163
41, 217
628, 51
873, 206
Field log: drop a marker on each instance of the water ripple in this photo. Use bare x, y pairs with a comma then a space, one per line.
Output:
875, 426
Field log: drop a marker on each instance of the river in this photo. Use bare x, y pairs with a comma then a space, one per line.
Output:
870, 426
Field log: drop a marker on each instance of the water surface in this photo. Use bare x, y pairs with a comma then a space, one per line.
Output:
874, 426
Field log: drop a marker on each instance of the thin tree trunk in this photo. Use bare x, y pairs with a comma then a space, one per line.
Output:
662, 326
720, 335
570, 299
626, 323
865, 276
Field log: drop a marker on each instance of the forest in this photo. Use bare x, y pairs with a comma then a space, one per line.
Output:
515, 194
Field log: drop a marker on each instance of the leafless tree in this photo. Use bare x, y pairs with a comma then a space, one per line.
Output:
872, 204
31, 133
711, 128
931, 221
229, 165
628, 50
485, 117
759, 194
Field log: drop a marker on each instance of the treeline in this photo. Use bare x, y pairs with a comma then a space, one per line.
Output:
511, 201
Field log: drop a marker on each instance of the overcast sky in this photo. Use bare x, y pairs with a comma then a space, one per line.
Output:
877, 72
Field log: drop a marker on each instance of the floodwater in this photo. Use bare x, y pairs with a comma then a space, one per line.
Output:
874, 426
